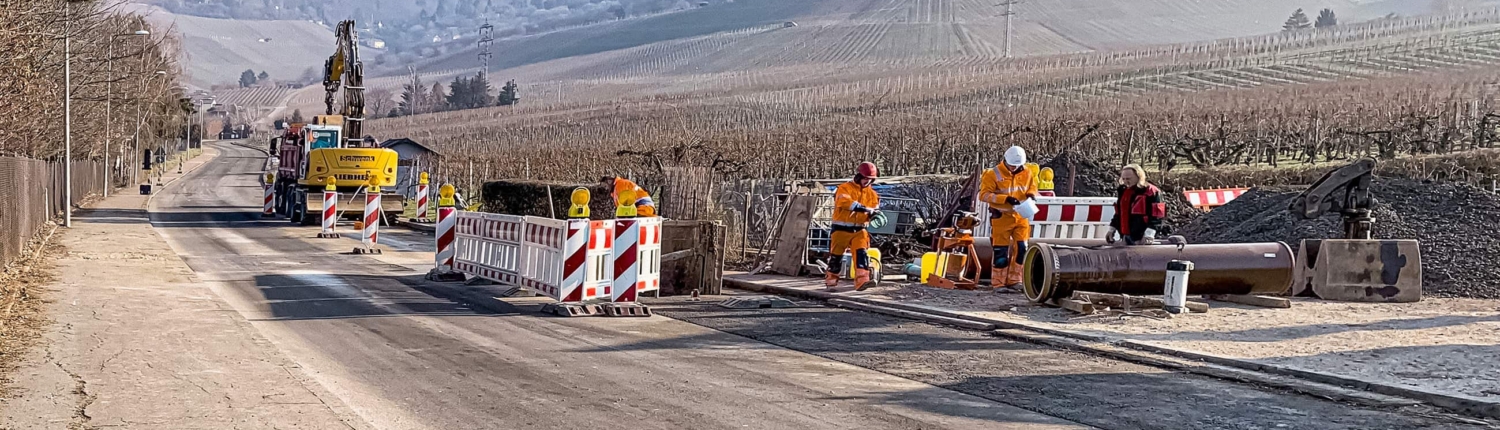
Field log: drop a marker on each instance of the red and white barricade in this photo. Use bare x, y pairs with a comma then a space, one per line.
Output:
489, 246
1209, 199
269, 208
566, 260
330, 214
422, 203
447, 220
371, 234
627, 261
1061, 217
543, 253
649, 249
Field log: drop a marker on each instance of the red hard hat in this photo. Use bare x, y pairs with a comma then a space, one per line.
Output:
867, 170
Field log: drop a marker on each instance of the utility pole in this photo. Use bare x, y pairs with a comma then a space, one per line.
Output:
67, 115
1010, 16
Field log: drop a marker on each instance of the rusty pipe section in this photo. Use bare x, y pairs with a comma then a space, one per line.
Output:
986, 252
1054, 271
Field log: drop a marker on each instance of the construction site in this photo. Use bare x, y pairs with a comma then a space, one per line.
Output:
767, 214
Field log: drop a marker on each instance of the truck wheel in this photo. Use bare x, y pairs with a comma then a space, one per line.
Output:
297, 213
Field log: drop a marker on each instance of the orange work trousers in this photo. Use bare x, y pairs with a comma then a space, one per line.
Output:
851, 241
645, 211
1008, 235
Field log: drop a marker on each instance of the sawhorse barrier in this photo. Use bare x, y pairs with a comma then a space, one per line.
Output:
588, 267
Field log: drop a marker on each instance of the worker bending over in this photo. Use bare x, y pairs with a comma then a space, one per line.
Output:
644, 206
1138, 209
854, 205
1003, 188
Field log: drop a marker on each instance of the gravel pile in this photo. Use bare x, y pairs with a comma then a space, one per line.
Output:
1456, 224
1082, 176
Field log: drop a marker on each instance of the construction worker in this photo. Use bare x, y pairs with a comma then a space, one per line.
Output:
1138, 209
855, 203
1003, 188
644, 206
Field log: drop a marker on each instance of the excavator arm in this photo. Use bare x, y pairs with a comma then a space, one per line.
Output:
344, 70
1345, 191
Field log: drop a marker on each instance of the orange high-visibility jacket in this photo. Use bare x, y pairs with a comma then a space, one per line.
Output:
848, 196
998, 183
641, 197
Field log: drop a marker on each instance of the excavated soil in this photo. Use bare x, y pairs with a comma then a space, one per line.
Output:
1456, 224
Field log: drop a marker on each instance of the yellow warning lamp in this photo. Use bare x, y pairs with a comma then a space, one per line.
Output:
1045, 182
423, 179
580, 208
270, 178
330, 181
374, 182
625, 204
445, 196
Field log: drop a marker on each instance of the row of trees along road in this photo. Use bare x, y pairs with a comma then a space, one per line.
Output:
124, 81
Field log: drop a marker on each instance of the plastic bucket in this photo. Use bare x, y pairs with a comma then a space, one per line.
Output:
1027, 209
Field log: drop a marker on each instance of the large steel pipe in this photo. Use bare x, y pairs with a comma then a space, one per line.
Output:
987, 252
1054, 271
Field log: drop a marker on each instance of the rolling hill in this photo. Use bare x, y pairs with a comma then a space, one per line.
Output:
218, 50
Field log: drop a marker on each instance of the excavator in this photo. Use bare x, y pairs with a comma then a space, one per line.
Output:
1356, 268
330, 150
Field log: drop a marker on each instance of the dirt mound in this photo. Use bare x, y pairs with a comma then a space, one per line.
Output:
1455, 223
1080, 176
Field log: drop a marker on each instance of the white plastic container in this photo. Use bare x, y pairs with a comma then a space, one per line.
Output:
1175, 295
1027, 209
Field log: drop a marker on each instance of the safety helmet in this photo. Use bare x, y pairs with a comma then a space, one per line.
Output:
1015, 156
867, 170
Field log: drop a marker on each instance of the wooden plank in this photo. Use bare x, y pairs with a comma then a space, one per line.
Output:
1262, 301
1078, 306
1118, 301
791, 241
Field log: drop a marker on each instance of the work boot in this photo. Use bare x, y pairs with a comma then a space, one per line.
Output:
1011, 289
997, 278
830, 280
862, 279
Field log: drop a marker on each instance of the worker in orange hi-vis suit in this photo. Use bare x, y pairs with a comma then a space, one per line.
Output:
644, 206
854, 205
1003, 188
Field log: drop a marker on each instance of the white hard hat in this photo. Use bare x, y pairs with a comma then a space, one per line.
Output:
1015, 156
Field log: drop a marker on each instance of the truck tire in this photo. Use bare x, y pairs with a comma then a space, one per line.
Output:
298, 209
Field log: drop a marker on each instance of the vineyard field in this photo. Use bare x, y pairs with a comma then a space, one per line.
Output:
217, 50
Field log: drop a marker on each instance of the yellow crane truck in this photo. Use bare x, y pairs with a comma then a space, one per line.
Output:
330, 149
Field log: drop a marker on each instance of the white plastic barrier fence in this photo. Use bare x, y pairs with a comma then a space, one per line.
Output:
489, 246
1061, 217
1209, 199
566, 260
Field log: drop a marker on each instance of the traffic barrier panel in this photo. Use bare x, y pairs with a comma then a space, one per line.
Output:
1061, 217
489, 246
600, 260
649, 249
371, 235
626, 260
542, 251
1209, 199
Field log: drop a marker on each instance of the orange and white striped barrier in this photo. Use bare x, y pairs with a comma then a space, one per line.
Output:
649, 248
1209, 199
446, 221
422, 203
330, 214
268, 210
370, 237
626, 261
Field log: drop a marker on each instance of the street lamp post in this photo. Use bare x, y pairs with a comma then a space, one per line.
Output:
109, 101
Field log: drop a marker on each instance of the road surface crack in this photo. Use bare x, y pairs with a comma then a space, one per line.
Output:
81, 418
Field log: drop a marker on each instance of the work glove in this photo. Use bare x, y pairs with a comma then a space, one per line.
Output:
1012, 201
1113, 236
1149, 238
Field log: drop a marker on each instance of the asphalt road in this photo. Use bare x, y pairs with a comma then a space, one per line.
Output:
390, 350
